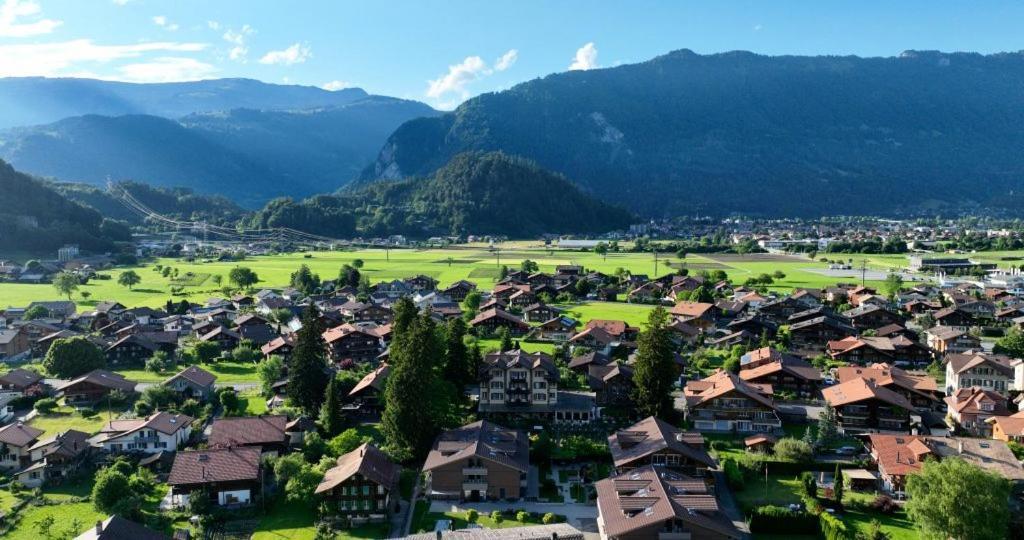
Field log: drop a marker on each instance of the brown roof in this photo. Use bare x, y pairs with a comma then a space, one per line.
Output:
759, 439
193, 467
19, 434
102, 377
612, 327
248, 430
480, 439
971, 400
721, 383
1012, 425
969, 360
20, 378
196, 375
860, 389
119, 528
69, 443
374, 379
899, 455
367, 461
162, 421
497, 313
789, 364
652, 435
691, 309
889, 376
645, 498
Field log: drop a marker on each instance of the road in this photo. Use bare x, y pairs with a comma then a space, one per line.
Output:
239, 386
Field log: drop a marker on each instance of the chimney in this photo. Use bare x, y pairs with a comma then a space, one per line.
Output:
99, 527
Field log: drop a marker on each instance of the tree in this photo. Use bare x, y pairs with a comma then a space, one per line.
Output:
300, 486
472, 301
602, 249
85, 295
35, 312
1011, 344
654, 370
159, 362
45, 526
229, 400
348, 276
954, 499
70, 357
357, 263
128, 278
110, 490
305, 280
456, 365
204, 351
306, 379
217, 279
269, 371
828, 425
795, 450
731, 364
527, 266
504, 339
331, 418
893, 284
809, 484
242, 277
347, 441
66, 283
837, 486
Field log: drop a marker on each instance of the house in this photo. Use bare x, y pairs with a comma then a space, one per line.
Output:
459, 290
863, 350
612, 384
863, 406
921, 390
265, 431
55, 458
984, 370
971, 408
15, 441
360, 312
655, 442
870, 317
581, 364
1008, 428
814, 334
280, 346
361, 485
229, 476
518, 381
13, 341
20, 382
780, 371
953, 317
536, 313
94, 386
421, 283
950, 340
899, 456
350, 343
618, 330
593, 338
366, 394
221, 335
652, 502
699, 314
488, 322
779, 310
157, 432
556, 329
725, 402
130, 350
193, 382
478, 461
119, 528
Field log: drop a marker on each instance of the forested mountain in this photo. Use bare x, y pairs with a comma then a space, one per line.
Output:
175, 203
478, 193
36, 100
739, 132
34, 217
248, 155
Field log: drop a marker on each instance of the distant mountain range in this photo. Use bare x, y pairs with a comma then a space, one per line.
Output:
743, 133
246, 154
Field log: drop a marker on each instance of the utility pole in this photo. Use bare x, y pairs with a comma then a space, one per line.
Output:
863, 271
655, 249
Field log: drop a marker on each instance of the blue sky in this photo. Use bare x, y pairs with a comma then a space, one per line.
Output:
443, 52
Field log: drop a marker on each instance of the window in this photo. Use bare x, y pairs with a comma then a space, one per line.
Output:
366, 490
497, 396
380, 504
380, 490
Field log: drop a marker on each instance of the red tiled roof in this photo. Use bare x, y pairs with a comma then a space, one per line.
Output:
192, 467
248, 430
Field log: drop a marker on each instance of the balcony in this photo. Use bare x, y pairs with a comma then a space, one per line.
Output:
474, 486
474, 471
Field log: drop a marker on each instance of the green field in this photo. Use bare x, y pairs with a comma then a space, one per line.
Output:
447, 265
226, 371
65, 418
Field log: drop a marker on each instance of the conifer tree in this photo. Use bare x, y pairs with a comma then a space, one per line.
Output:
654, 370
456, 367
306, 378
415, 400
331, 419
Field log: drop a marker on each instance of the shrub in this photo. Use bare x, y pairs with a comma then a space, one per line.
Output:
780, 520
795, 450
472, 515
834, 529
46, 405
733, 475
884, 504
497, 517
548, 518
809, 483
522, 516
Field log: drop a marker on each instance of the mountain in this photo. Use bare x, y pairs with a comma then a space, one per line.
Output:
248, 155
175, 203
36, 218
28, 101
743, 133
474, 193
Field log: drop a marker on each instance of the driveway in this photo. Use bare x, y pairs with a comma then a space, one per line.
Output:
728, 504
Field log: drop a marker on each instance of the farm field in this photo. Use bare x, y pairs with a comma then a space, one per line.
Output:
446, 265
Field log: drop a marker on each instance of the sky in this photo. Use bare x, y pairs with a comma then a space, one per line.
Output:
444, 52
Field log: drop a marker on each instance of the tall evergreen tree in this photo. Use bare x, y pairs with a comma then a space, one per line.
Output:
654, 370
331, 418
456, 366
506, 339
415, 400
306, 379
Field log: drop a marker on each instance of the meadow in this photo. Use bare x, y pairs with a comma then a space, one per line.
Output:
448, 265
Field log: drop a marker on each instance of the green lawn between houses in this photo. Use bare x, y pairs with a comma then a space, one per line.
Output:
423, 520
294, 521
472, 263
227, 372
64, 418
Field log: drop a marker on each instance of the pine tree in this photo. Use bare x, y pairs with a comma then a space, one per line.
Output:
506, 339
828, 425
837, 489
331, 419
808, 436
306, 379
654, 370
456, 366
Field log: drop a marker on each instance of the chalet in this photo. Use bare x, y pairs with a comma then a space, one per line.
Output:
780, 371
978, 310
946, 340
13, 342
655, 442
699, 314
42, 345
521, 299
488, 322
157, 432
612, 384
781, 309
743, 338
368, 312
754, 324
193, 382
863, 406
593, 338
556, 329
94, 386
984, 370
55, 458
870, 349
366, 394
280, 346
259, 333
730, 309
814, 334
536, 313
953, 317
130, 350
581, 364
229, 476
56, 309
361, 485
1008, 428
421, 283
725, 402
919, 389
648, 293
20, 382
227, 339
459, 290
119, 528
349, 343
15, 441
971, 408
266, 432
683, 332
870, 317
619, 330
518, 381
652, 502
478, 461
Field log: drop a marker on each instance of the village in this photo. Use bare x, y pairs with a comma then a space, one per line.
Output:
337, 408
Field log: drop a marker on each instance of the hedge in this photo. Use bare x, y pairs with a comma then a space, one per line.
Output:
834, 529
781, 520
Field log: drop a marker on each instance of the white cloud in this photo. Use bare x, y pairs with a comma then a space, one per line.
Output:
336, 85
11, 13
586, 58
296, 54
506, 60
69, 57
166, 69
213, 25
162, 22
239, 38
459, 75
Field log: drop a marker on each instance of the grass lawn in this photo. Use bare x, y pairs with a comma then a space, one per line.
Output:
65, 514
226, 372
423, 520
633, 314
293, 521
779, 491
252, 403
65, 418
492, 345
372, 430
7, 500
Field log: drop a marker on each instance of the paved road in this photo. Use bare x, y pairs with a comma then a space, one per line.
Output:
728, 504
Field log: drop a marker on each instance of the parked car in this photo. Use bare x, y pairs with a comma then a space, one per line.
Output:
847, 451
